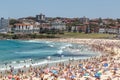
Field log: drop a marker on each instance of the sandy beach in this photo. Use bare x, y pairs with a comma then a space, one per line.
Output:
104, 67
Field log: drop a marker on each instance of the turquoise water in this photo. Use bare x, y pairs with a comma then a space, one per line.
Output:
32, 52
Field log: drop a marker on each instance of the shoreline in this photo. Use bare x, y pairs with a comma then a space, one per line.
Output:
96, 44
34, 64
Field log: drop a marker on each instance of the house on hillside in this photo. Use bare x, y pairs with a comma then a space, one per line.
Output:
84, 20
58, 24
21, 28
102, 30
110, 30
81, 28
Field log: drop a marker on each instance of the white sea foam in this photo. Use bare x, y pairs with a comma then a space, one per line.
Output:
13, 62
22, 61
29, 52
60, 51
37, 63
67, 45
36, 52
22, 64
51, 45
47, 41
33, 41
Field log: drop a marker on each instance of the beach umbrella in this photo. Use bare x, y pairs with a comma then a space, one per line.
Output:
73, 76
97, 75
86, 74
54, 71
99, 72
83, 68
80, 65
105, 64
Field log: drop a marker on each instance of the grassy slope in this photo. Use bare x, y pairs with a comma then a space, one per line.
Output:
65, 35
83, 35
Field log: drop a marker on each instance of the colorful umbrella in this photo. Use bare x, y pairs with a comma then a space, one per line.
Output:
105, 64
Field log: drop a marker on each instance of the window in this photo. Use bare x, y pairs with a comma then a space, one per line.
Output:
26, 26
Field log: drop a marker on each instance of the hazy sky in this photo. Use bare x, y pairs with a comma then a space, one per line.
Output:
61, 8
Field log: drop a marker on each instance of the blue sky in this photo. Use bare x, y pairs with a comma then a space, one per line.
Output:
61, 8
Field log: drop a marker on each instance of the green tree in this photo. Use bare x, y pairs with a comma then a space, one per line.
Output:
13, 21
118, 20
100, 20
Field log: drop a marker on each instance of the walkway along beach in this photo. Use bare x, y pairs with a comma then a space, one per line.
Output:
104, 67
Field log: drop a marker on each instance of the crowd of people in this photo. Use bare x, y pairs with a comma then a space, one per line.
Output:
103, 67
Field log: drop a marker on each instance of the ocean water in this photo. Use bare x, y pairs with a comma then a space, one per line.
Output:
19, 53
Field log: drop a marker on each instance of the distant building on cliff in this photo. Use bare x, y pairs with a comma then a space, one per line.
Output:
58, 24
40, 18
110, 30
4, 23
84, 20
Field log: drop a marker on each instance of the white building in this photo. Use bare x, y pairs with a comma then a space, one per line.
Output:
58, 25
102, 30
4, 23
25, 29
112, 30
